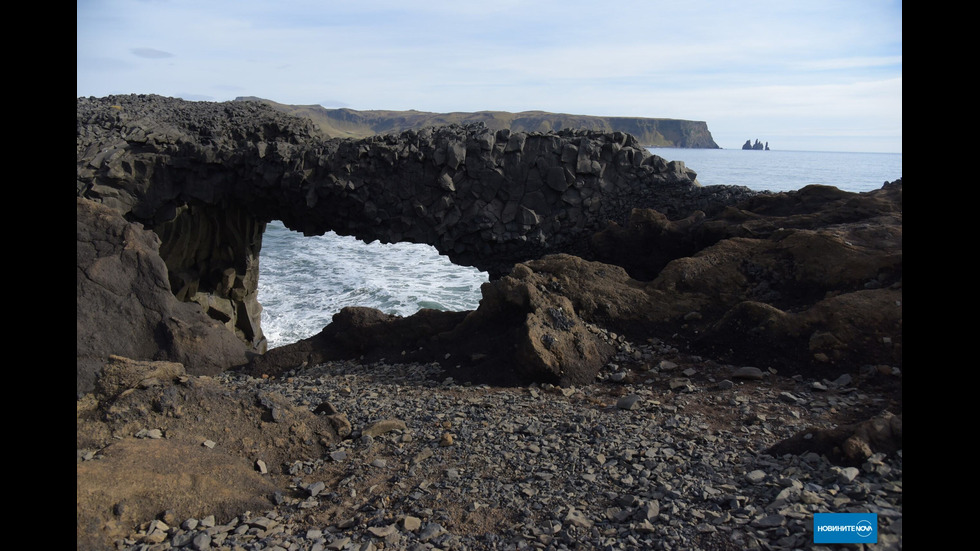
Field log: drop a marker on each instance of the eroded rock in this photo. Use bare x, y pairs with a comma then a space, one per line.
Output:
849, 445
125, 305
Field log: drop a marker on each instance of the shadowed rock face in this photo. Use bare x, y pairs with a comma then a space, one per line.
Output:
206, 177
126, 306
577, 230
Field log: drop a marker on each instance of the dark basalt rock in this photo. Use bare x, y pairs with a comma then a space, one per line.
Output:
575, 227
126, 307
850, 445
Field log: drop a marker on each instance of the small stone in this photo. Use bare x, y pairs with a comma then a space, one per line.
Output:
756, 476
152, 433
160, 525
386, 425
382, 531
422, 456
446, 440
338, 455
261, 467
681, 383
182, 539
316, 488
202, 540
411, 523
379, 463
210, 444
770, 521
628, 402
748, 372
848, 474
649, 510
645, 527
157, 536
577, 518
264, 523
726, 384
430, 531
789, 398
338, 544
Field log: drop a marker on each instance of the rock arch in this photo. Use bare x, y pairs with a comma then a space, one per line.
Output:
207, 177
173, 198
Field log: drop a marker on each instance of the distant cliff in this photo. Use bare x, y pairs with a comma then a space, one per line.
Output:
348, 123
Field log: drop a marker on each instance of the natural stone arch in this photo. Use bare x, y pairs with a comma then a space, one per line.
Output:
207, 177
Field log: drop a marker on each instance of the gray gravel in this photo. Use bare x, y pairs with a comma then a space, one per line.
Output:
648, 462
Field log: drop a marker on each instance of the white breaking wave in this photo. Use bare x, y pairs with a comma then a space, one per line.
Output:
304, 281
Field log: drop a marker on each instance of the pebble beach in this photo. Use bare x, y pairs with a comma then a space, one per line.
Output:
668, 457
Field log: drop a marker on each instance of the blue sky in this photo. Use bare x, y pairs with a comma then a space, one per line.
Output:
821, 75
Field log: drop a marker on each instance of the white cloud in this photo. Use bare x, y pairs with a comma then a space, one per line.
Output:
826, 66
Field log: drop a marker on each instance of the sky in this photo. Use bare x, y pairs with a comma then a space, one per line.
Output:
807, 75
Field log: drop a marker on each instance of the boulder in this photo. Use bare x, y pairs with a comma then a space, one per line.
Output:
806, 281
850, 445
522, 332
126, 307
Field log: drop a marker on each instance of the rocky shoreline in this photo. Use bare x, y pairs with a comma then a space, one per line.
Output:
654, 364
663, 451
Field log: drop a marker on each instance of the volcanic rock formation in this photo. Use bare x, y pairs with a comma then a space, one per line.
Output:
579, 230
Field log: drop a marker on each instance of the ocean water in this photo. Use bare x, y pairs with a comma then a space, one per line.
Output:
304, 281
788, 170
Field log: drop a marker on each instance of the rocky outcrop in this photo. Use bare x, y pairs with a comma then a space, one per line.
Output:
125, 304
757, 146
206, 177
581, 231
808, 282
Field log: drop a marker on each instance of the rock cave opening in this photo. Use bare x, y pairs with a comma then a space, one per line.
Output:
305, 280
211, 253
